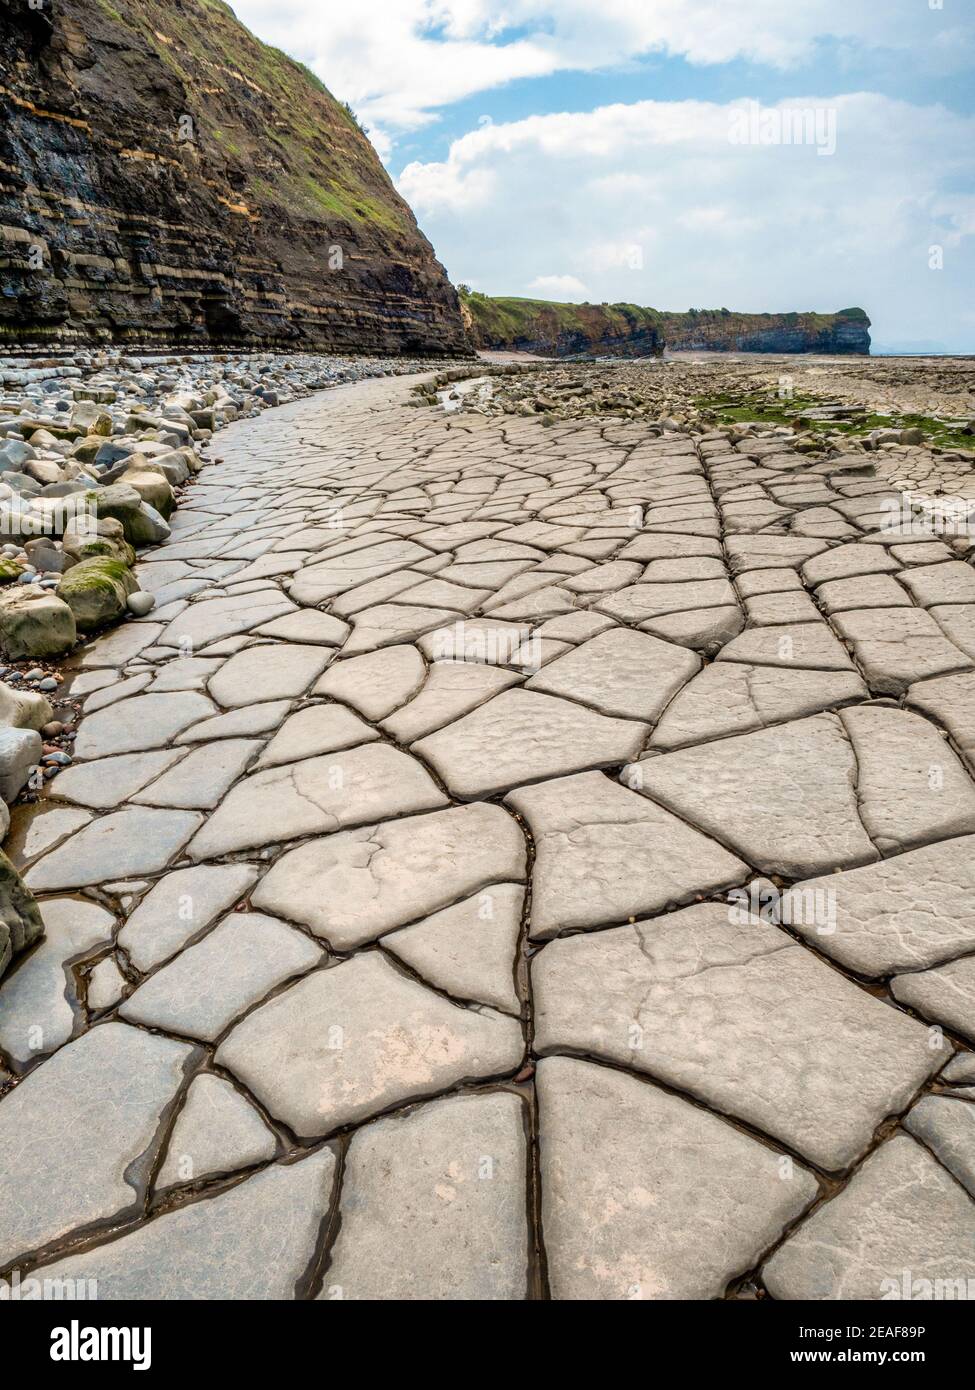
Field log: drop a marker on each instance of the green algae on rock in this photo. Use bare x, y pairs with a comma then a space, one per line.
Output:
96, 590
20, 918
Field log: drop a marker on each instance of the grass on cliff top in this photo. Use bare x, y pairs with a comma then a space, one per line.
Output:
312, 154
794, 319
508, 318
501, 317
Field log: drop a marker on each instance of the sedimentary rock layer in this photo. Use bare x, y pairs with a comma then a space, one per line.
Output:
165, 176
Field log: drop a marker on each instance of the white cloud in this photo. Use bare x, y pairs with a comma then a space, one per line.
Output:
564, 287
653, 203
650, 201
399, 61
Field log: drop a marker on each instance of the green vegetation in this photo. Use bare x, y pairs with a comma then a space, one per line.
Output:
9, 570
303, 148
112, 12
729, 410
507, 320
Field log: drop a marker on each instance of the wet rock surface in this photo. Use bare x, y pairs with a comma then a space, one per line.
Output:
501, 865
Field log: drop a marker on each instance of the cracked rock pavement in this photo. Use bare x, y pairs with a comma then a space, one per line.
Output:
511, 862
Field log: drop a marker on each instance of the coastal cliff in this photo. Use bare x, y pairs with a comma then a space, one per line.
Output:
561, 330
165, 177
627, 330
721, 330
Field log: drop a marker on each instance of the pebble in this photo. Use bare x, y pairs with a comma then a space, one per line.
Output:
140, 603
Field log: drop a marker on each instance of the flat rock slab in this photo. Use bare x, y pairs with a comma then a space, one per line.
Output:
847, 561
375, 684
702, 629
137, 840
254, 1242
213, 619
902, 1229
389, 623
39, 827
352, 887
451, 689
730, 697
741, 1017
909, 912
950, 700
604, 854
180, 906
77, 1134
620, 672
489, 640
771, 552
316, 583
433, 1205
144, 721
933, 584
947, 1127
239, 723
268, 671
216, 1131
307, 625
945, 994
200, 994
202, 777
522, 736
106, 782
865, 591
912, 788
355, 1040
645, 1196
118, 647
314, 730
469, 950
957, 622
318, 795
570, 867
106, 985
895, 647
185, 673
783, 798
794, 646
638, 602
960, 1071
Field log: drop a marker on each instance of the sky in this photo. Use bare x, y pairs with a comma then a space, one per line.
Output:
758, 155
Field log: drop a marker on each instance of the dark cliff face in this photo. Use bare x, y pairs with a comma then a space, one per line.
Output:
166, 177
843, 333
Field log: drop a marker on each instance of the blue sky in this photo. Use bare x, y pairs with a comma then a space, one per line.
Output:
759, 155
